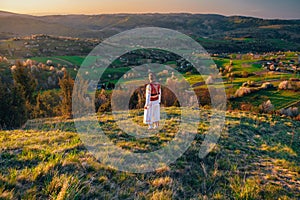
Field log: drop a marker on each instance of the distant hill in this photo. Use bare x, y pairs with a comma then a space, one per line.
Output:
233, 34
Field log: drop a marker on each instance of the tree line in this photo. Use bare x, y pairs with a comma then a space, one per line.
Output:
21, 100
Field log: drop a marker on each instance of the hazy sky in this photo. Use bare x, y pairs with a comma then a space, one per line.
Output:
259, 8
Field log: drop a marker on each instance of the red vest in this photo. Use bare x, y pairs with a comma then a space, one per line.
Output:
154, 92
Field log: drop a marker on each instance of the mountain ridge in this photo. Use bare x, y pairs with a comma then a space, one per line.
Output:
261, 34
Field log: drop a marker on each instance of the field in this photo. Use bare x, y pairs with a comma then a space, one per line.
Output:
63, 60
280, 99
257, 157
44, 156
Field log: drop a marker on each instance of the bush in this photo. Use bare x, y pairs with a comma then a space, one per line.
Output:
266, 107
168, 98
242, 91
289, 85
283, 85
101, 97
290, 112
295, 85
246, 107
245, 74
266, 85
203, 96
105, 107
138, 98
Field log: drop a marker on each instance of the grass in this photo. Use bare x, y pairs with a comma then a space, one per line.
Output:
279, 98
192, 79
256, 158
54, 59
75, 60
65, 60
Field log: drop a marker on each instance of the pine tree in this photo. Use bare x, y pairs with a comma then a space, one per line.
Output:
13, 113
81, 98
25, 83
24, 80
47, 104
66, 84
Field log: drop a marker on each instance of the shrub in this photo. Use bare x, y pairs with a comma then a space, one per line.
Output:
244, 74
242, 91
203, 96
168, 97
138, 98
101, 98
266, 107
249, 83
105, 107
266, 85
246, 106
289, 85
295, 85
283, 85
290, 112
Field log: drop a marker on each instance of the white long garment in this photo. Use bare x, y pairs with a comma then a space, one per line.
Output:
152, 113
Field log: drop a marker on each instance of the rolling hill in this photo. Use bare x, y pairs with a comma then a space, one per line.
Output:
215, 32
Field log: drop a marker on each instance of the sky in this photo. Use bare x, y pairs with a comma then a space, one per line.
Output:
282, 9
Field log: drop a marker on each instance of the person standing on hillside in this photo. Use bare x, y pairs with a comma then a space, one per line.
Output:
152, 105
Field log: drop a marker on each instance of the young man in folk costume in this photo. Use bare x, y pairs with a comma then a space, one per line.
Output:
152, 105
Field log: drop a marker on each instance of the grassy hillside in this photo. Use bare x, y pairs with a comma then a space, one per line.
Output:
257, 157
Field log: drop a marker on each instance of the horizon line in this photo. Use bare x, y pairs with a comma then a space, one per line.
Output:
44, 14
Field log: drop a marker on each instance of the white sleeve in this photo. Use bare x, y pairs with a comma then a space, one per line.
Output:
159, 96
148, 94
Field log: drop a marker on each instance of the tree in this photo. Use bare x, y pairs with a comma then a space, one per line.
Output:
66, 84
47, 104
24, 80
13, 113
81, 98
25, 83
